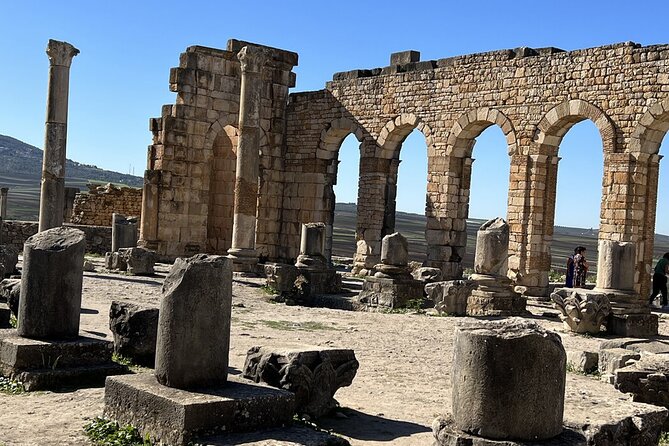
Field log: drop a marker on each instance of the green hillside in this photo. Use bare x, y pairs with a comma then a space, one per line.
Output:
21, 169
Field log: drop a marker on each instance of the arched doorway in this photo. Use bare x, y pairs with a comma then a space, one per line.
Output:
222, 191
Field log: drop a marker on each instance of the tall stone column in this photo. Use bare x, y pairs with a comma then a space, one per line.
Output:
52, 194
243, 252
3, 203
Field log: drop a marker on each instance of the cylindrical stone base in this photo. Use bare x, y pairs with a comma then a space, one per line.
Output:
508, 380
194, 323
51, 283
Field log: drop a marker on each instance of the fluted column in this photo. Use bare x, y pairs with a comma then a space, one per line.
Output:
243, 252
52, 193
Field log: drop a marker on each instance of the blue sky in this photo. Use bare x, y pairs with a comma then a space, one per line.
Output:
120, 79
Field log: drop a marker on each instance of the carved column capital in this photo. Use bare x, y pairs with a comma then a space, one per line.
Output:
251, 59
60, 53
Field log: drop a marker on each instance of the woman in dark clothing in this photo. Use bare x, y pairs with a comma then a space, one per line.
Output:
660, 279
580, 267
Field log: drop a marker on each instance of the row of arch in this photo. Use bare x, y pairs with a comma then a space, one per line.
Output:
550, 130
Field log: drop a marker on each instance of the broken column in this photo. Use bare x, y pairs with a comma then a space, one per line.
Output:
493, 294
508, 383
392, 284
630, 315
124, 232
178, 363
52, 194
192, 354
312, 264
46, 350
3, 203
243, 252
51, 284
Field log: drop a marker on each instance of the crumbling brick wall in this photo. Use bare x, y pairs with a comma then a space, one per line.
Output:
96, 206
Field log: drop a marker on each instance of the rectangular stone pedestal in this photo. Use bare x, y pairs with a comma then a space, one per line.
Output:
39, 365
322, 281
634, 325
175, 417
384, 293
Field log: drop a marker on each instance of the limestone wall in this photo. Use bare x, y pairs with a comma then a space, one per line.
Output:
96, 206
181, 217
534, 96
15, 233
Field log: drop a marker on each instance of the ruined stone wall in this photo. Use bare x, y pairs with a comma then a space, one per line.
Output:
534, 96
179, 215
96, 206
15, 233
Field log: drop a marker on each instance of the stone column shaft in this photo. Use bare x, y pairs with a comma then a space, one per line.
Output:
243, 251
52, 193
3, 203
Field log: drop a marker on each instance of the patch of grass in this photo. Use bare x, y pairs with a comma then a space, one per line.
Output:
123, 360
296, 326
413, 306
104, 432
268, 289
11, 386
13, 322
571, 368
664, 439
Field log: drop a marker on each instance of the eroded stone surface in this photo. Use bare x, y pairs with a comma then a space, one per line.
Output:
135, 331
582, 311
313, 374
450, 296
508, 380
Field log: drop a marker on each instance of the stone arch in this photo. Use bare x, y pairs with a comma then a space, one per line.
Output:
559, 119
470, 125
221, 196
396, 131
650, 130
333, 136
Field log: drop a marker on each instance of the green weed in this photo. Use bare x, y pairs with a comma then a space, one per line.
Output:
11, 386
104, 432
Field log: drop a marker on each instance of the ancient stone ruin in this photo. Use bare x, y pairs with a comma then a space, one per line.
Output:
392, 284
97, 206
191, 393
46, 349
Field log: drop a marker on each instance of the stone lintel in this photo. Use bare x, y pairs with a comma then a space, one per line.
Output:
174, 416
277, 54
42, 365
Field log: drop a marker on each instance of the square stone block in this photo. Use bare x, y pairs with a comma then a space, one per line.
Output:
41, 364
175, 416
633, 325
389, 293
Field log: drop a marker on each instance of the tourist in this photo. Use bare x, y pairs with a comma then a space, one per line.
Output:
660, 279
570, 269
580, 268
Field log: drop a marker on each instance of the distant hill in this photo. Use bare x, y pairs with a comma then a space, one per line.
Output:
412, 226
21, 171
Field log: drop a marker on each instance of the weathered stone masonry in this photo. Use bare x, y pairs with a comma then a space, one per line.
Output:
96, 206
533, 95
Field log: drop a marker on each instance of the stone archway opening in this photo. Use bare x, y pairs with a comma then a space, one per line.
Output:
578, 197
487, 186
220, 214
345, 199
407, 200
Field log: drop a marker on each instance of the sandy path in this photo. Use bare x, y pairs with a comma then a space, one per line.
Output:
402, 384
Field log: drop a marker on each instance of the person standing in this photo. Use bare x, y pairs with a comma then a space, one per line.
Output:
570, 270
580, 267
660, 279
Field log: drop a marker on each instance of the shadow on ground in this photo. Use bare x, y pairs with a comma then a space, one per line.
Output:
361, 426
125, 279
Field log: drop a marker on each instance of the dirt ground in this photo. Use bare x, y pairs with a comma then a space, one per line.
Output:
403, 382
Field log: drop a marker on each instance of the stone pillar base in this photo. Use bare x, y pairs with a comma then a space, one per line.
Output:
243, 260
323, 281
494, 296
633, 325
446, 434
41, 365
176, 417
384, 294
